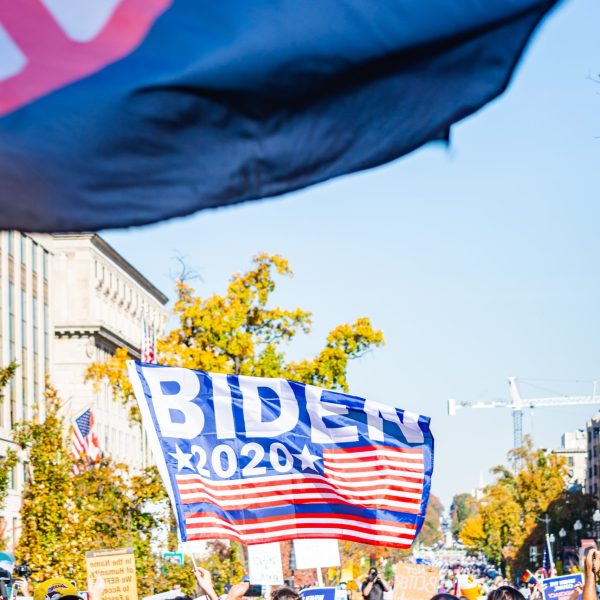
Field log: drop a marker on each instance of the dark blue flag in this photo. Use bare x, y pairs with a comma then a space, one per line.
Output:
123, 112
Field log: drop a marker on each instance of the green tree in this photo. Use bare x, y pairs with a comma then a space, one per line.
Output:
463, 506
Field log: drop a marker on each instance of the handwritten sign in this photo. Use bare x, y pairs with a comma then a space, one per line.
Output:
416, 582
315, 553
117, 568
561, 588
264, 564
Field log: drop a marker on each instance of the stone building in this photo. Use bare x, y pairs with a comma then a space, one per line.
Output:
67, 301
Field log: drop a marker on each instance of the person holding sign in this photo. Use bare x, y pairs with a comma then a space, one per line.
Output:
374, 586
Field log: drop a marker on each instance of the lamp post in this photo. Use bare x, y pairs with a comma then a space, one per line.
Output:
596, 520
562, 534
577, 527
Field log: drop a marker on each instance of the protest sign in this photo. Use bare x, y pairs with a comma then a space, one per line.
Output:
415, 582
316, 553
117, 568
560, 588
585, 546
320, 593
173, 557
264, 564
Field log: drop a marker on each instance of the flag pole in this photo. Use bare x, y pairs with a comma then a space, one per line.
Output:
550, 557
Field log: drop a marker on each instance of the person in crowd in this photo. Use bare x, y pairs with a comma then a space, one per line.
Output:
284, 593
444, 597
591, 569
506, 592
374, 586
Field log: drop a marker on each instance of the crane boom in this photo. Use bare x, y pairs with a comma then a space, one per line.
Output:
518, 404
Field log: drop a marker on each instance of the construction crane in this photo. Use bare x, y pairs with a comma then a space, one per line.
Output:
517, 403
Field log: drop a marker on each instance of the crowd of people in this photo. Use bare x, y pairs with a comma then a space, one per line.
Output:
470, 580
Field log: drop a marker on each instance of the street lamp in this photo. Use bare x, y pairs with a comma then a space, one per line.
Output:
577, 526
596, 520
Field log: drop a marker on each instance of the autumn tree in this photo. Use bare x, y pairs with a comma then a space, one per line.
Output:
431, 532
463, 506
240, 333
7, 462
103, 506
47, 541
509, 514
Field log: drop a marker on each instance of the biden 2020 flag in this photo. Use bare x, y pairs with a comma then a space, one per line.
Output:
259, 460
123, 112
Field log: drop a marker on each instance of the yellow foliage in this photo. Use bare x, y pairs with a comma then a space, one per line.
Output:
472, 534
238, 333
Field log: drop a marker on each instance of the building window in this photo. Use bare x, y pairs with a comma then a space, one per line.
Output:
571, 461
22, 239
10, 243
590, 473
46, 339
45, 264
11, 321
33, 255
595, 470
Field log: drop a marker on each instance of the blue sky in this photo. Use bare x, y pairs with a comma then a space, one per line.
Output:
478, 262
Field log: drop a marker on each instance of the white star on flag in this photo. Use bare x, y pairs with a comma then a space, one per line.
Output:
183, 460
307, 459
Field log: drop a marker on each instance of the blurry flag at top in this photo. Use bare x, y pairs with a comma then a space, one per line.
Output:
84, 440
123, 112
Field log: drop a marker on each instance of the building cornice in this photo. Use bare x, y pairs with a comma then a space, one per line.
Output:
105, 248
99, 332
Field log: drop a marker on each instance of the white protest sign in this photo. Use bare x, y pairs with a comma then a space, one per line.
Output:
264, 564
316, 553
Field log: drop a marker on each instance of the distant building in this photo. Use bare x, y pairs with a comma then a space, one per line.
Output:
25, 337
99, 301
67, 301
574, 449
593, 457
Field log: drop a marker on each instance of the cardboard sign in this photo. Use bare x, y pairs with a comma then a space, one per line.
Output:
415, 582
264, 564
316, 553
117, 568
320, 593
584, 548
560, 588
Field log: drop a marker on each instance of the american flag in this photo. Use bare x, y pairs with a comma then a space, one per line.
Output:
84, 441
548, 567
360, 495
148, 344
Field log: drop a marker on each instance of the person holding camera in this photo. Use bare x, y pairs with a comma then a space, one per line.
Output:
374, 586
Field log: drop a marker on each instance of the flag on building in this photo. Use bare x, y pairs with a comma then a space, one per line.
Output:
128, 112
261, 460
148, 344
84, 441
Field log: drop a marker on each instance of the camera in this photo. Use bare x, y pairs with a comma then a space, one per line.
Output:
23, 570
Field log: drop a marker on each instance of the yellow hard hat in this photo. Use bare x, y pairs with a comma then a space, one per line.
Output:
57, 588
